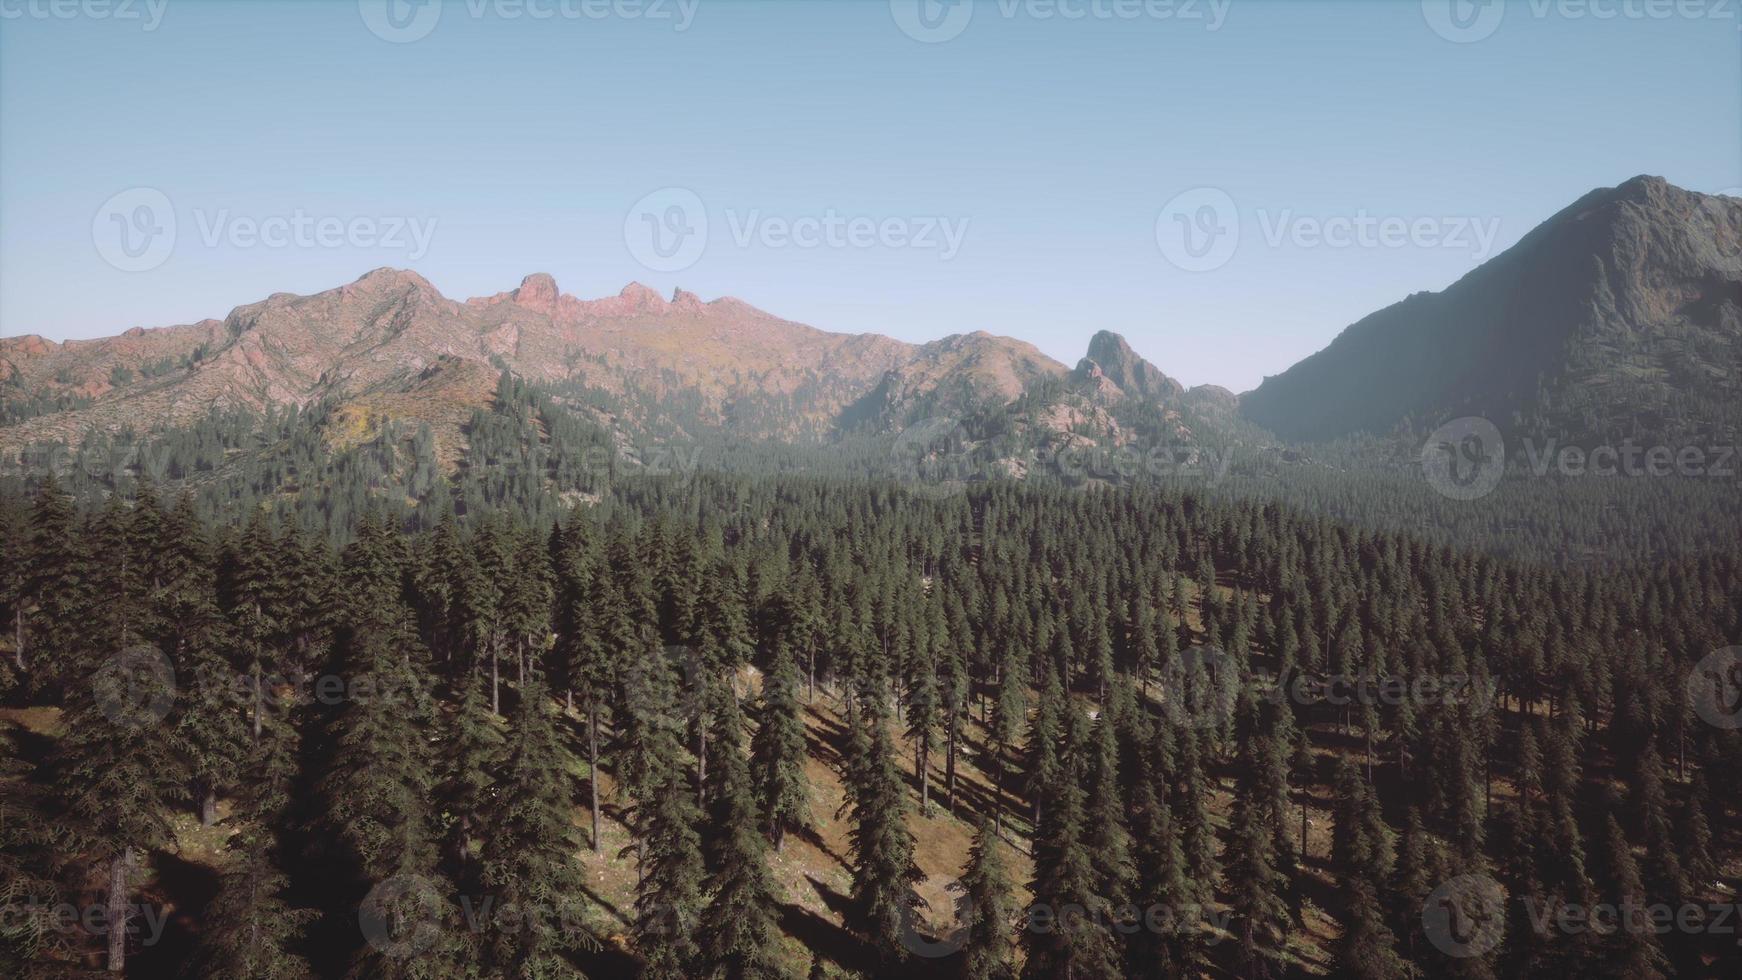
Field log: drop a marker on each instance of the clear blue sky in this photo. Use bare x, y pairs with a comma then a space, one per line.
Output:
1059, 142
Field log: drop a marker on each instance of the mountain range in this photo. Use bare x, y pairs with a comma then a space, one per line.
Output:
1622, 311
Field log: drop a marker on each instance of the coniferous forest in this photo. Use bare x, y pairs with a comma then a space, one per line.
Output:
814, 725
1003, 490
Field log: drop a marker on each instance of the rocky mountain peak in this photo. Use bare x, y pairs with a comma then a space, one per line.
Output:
537, 292
1112, 359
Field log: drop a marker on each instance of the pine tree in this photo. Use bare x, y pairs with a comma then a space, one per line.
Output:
664, 818
210, 731
778, 752
1106, 837
922, 717
1009, 711
1168, 947
471, 751
1192, 812
376, 783
990, 907
251, 931
1632, 951
1077, 940
115, 779
528, 858
1041, 769
1362, 858
32, 855
48, 623
1255, 886
737, 936
884, 872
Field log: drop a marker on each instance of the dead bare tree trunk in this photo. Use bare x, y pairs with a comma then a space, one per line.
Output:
593, 770
118, 868
920, 768
950, 765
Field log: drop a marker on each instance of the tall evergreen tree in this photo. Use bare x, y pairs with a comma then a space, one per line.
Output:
779, 752
1076, 940
990, 906
884, 873
528, 859
737, 935
252, 931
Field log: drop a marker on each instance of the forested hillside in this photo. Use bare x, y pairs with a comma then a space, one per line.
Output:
711, 725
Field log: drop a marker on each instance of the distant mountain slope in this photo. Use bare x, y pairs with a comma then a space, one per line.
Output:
382, 332
390, 346
1622, 313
